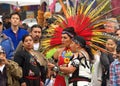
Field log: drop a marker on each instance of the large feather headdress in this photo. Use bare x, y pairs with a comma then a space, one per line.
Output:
85, 19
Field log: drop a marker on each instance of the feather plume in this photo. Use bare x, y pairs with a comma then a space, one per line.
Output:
84, 18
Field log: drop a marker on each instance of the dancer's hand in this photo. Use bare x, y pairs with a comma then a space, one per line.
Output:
50, 65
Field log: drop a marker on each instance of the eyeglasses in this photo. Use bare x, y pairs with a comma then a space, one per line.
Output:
108, 26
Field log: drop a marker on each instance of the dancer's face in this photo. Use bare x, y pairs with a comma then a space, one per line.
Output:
66, 40
74, 47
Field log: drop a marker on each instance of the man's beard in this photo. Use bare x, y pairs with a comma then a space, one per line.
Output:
36, 39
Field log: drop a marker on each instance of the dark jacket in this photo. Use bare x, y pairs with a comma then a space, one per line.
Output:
106, 59
24, 58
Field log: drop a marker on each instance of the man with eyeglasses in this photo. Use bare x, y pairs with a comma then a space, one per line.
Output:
111, 25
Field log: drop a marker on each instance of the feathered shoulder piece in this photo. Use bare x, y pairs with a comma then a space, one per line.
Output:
84, 17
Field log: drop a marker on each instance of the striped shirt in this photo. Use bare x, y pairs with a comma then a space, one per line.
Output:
115, 73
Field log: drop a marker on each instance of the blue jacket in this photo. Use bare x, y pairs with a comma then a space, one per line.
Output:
16, 38
7, 44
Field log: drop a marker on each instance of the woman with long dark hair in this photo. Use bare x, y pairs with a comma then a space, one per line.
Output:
79, 67
32, 62
62, 53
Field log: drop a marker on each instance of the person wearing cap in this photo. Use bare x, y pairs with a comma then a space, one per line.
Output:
79, 67
10, 72
1, 23
6, 43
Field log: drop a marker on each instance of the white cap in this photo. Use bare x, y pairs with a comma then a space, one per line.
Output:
1, 49
1, 21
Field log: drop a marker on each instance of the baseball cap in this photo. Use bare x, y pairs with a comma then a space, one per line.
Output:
2, 49
1, 21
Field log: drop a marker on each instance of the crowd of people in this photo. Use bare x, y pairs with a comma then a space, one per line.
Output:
23, 61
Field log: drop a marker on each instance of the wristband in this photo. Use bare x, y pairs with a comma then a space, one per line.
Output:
56, 69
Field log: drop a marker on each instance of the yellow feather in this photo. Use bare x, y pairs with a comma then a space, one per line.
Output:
89, 7
98, 24
81, 8
64, 8
98, 9
100, 16
97, 33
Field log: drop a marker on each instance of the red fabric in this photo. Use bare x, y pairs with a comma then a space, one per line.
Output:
32, 77
56, 40
59, 81
82, 27
115, 5
61, 60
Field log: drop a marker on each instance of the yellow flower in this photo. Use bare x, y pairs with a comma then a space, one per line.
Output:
66, 60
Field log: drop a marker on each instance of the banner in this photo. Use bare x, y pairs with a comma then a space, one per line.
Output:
115, 5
